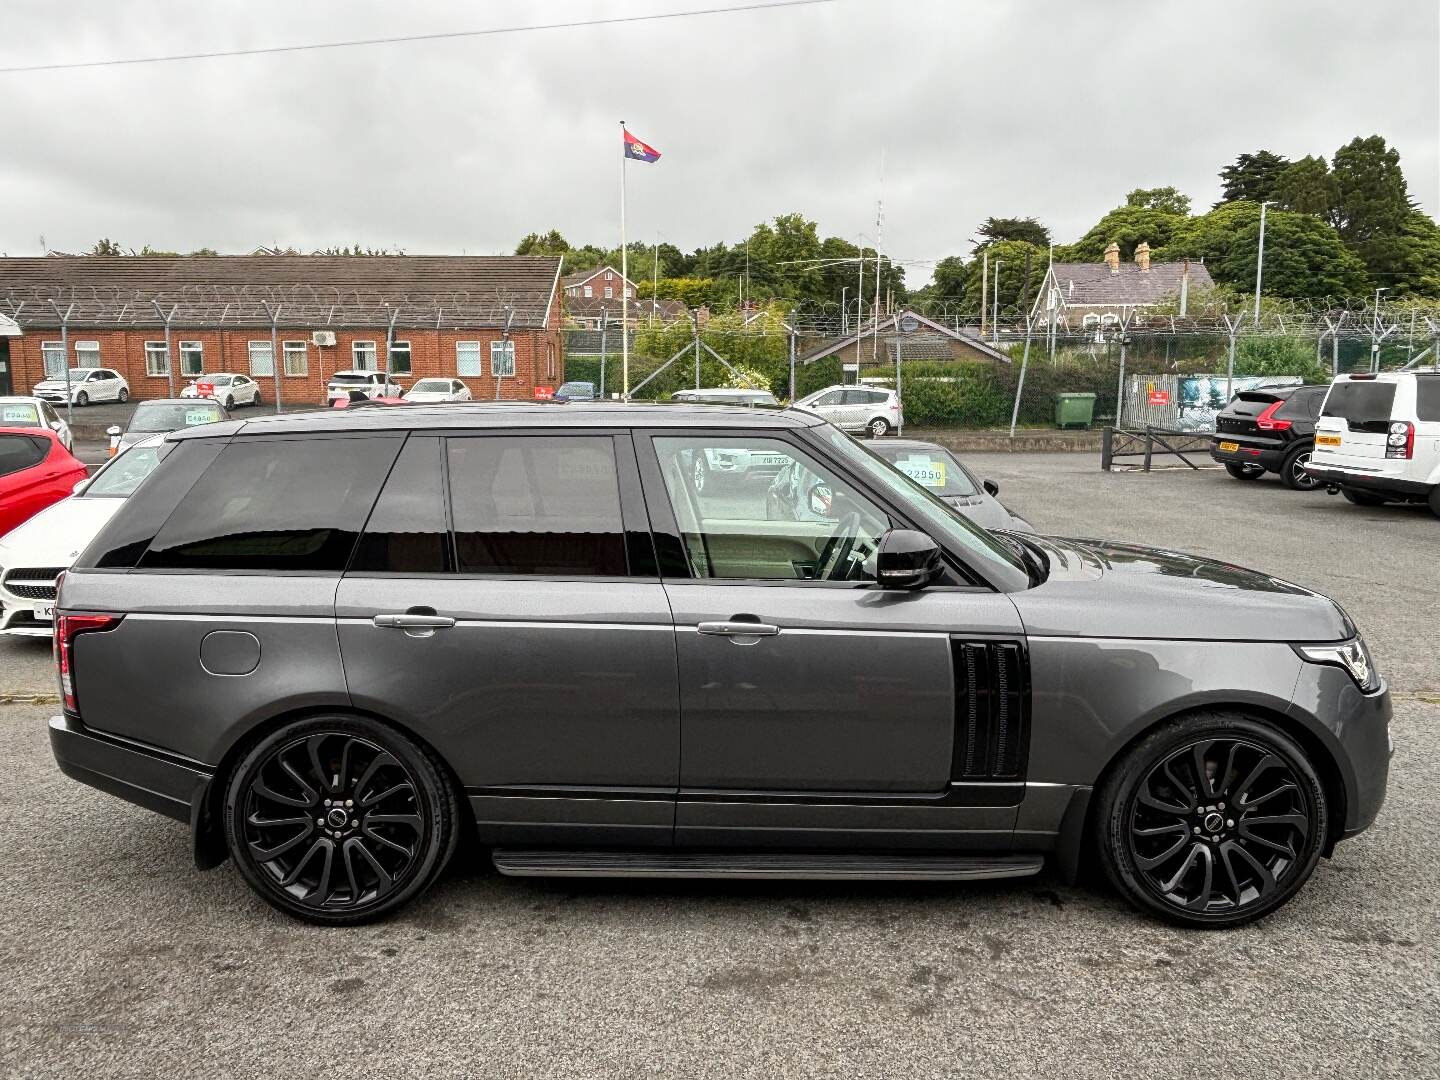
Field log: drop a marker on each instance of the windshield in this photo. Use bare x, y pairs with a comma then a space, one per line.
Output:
216, 380
1360, 401
433, 386
120, 478
167, 417
944, 524
19, 414
931, 467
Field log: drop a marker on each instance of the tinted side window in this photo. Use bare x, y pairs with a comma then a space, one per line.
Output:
537, 505
276, 504
1427, 397
406, 533
21, 452
126, 536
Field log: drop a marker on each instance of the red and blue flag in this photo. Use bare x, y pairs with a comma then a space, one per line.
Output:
639, 151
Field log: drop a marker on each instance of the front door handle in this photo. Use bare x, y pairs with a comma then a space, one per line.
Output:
739, 629
413, 622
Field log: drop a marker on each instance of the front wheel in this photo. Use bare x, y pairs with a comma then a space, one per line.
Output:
1293, 472
1362, 498
1434, 500
82, 399
123, 396
1212, 820
1241, 471
339, 819
256, 399
229, 403
878, 428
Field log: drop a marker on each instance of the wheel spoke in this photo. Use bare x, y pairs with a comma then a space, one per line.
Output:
265, 791
1295, 821
270, 854
1269, 761
1267, 879
1151, 862
1202, 896
1185, 866
270, 823
1235, 891
1147, 799
1180, 785
412, 820
366, 831
1283, 789
298, 869
385, 880
317, 896
402, 786
311, 794
376, 764
1202, 774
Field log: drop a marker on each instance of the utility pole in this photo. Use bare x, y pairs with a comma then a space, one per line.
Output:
995, 307
604, 324
655, 282
984, 291
1375, 334
1260, 263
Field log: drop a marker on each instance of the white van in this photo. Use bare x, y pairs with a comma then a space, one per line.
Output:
1377, 439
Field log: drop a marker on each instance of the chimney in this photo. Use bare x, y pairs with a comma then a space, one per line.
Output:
1142, 257
1184, 287
1112, 257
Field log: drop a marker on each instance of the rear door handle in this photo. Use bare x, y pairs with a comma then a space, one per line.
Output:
413, 622
739, 629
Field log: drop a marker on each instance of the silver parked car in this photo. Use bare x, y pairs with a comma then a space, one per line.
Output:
873, 410
327, 642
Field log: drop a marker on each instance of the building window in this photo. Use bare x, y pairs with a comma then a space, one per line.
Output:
629, 292
53, 355
157, 358
550, 360
1109, 320
1090, 320
502, 359
589, 291
400, 358
363, 355
192, 358
609, 292
609, 276
262, 358
297, 357
87, 354
467, 358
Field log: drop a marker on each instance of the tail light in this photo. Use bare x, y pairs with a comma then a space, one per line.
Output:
1266, 420
67, 629
1400, 442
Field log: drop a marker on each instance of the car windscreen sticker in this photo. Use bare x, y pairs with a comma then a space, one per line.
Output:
925, 470
18, 414
198, 416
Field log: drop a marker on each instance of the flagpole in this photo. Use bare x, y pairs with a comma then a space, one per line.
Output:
624, 277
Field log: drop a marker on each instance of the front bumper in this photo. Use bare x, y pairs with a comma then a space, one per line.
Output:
157, 781
1361, 481
18, 619
1356, 729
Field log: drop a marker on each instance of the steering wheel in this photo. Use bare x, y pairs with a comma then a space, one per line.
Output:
838, 548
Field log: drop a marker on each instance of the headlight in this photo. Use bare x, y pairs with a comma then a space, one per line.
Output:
1353, 656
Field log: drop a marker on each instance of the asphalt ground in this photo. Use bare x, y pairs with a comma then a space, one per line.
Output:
119, 959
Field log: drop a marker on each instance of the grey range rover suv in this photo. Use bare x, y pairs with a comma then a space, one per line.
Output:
331, 642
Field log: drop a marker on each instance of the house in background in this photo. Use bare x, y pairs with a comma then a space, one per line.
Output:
907, 335
1084, 295
595, 296
601, 283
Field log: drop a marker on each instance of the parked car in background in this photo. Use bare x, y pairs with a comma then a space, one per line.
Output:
724, 395
34, 412
1378, 439
940, 472
87, 386
160, 415
230, 389
1269, 430
869, 409
370, 384
36, 470
575, 391
34, 555
438, 390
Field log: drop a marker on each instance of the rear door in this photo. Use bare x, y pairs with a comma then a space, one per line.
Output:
1427, 428
1354, 423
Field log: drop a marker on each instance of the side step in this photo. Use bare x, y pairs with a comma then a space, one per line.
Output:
515, 862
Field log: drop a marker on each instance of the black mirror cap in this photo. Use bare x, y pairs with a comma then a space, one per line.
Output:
991, 488
907, 559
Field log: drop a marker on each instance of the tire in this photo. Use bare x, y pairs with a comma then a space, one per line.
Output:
82, 399
1434, 500
878, 428
1362, 498
1178, 850
1241, 471
255, 401
123, 396
229, 402
322, 869
1293, 473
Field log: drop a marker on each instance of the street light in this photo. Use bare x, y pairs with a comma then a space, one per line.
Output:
1260, 263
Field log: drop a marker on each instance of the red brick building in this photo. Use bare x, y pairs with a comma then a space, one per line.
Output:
289, 321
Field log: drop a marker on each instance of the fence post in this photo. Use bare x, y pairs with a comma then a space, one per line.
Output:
1120, 389
604, 325
900, 427
1107, 446
1020, 385
792, 356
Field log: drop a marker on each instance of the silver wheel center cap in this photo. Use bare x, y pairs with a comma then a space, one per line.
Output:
1213, 822
337, 818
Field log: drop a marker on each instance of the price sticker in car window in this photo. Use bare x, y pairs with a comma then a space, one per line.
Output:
198, 416
17, 414
923, 470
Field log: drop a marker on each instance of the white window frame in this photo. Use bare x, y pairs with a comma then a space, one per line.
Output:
629, 293
157, 359
189, 350
397, 348
359, 348
52, 359
92, 348
467, 359
1093, 319
589, 291
609, 292
261, 349
296, 356
502, 359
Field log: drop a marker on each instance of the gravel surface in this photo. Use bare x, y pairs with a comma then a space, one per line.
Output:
121, 960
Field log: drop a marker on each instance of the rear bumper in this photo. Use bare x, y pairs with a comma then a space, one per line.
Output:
1267, 454
1363, 481
168, 785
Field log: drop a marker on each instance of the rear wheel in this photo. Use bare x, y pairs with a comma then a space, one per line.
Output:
1293, 471
1212, 820
339, 819
1434, 500
229, 402
82, 399
1242, 471
256, 399
878, 427
1362, 498
123, 396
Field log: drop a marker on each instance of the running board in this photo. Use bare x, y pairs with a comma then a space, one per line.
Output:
514, 862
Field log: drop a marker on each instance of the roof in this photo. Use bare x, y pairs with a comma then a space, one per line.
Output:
1096, 285
478, 289
569, 281
490, 415
901, 326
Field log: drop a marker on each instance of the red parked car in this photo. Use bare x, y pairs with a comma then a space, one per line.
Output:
35, 471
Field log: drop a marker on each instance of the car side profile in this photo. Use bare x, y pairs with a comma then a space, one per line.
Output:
357, 384
230, 389
1269, 430
438, 389
34, 412
329, 642
85, 386
873, 410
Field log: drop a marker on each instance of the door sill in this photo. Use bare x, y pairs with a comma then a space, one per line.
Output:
516, 862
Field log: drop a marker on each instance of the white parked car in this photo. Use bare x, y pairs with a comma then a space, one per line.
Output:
35, 412
438, 390
87, 385
871, 409
1378, 438
228, 388
37, 552
368, 384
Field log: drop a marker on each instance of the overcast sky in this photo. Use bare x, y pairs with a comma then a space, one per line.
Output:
978, 107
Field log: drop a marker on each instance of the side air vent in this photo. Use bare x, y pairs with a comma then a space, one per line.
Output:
992, 706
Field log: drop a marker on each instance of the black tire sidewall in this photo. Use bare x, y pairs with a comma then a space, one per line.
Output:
1287, 473
438, 794
82, 399
1113, 811
1241, 471
1361, 498
884, 428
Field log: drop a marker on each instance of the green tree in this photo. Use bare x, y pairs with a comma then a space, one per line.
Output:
994, 229
785, 256
1415, 268
551, 243
1308, 187
949, 283
1252, 177
1372, 203
1126, 226
106, 246
1168, 200
1279, 356
1209, 237
1304, 259
1016, 293
204, 251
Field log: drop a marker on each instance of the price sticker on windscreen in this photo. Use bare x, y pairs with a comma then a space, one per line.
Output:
198, 416
924, 470
18, 414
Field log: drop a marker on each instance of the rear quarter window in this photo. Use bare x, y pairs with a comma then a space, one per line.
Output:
1427, 397
19, 452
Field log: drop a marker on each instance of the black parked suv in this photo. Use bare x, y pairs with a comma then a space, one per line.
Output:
1270, 430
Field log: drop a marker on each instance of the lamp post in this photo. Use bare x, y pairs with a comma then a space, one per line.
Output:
1260, 263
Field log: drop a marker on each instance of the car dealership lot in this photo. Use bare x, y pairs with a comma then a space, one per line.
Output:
121, 959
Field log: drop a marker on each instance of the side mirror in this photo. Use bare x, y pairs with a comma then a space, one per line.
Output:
57, 425
906, 559
80, 485
821, 499
113, 431
991, 488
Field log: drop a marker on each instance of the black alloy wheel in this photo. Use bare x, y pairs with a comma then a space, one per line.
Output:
1293, 472
229, 402
1241, 471
1213, 821
339, 820
123, 396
